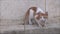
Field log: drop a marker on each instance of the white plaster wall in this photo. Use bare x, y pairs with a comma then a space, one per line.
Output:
15, 9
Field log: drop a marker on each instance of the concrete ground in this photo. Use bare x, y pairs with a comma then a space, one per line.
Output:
30, 29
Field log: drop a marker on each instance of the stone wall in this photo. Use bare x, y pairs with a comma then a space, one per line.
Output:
12, 11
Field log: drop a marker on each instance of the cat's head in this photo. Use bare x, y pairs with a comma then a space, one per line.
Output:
42, 16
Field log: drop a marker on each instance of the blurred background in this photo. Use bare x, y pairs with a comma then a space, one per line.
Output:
12, 14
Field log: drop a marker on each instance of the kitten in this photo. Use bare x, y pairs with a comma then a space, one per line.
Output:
35, 13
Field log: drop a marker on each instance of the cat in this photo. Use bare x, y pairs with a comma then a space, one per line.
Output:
35, 14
